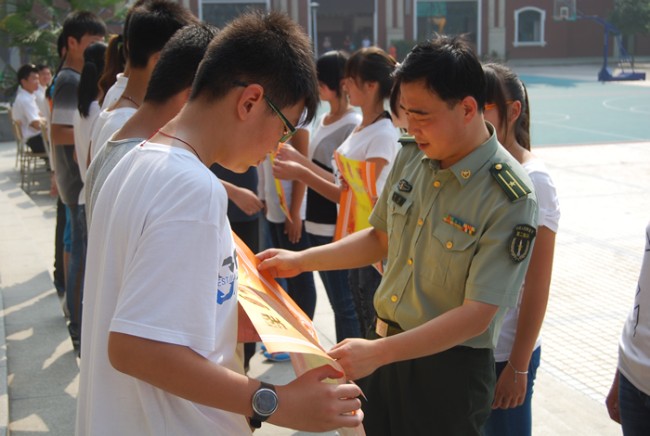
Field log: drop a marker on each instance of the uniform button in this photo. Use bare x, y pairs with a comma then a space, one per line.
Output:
393, 298
410, 261
436, 184
449, 244
420, 221
498, 167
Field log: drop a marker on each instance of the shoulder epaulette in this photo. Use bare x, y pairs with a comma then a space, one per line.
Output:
406, 140
509, 182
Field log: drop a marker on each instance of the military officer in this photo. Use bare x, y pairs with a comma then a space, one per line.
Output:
456, 221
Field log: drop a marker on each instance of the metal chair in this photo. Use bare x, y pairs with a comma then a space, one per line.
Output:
31, 164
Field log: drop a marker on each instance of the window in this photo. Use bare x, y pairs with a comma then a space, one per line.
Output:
220, 12
529, 27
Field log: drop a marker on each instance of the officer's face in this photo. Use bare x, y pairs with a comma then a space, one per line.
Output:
437, 126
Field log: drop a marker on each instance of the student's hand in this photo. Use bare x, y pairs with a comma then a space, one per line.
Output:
358, 357
279, 263
293, 229
287, 170
612, 400
288, 153
309, 404
247, 201
507, 393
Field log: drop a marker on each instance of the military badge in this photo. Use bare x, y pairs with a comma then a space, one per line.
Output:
512, 185
521, 241
460, 225
404, 186
466, 174
398, 199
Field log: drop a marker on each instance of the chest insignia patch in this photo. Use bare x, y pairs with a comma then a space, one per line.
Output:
398, 199
460, 225
404, 186
521, 241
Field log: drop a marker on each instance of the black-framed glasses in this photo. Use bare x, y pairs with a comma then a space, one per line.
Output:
289, 129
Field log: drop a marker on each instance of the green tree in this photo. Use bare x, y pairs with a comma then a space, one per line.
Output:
631, 16
34, 25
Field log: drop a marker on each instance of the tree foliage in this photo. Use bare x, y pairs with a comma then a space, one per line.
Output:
631, 16
34, 25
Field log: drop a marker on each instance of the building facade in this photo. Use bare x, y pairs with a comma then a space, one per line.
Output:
505, 29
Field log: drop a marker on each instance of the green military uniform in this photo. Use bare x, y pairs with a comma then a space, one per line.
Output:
455, 233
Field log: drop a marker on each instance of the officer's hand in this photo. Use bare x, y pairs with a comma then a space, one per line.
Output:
358, 357
279, 263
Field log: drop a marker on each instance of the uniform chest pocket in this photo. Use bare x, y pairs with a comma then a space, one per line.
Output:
453, 254
398, 218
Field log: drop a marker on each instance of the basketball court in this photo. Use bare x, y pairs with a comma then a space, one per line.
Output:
574, 110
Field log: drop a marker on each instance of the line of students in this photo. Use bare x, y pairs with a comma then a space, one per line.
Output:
158, 228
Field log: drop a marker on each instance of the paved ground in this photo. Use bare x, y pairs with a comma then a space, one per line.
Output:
605, 208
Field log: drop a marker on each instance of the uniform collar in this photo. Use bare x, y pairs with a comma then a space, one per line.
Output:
470, 165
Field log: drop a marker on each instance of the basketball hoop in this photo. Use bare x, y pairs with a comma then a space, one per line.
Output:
564, 10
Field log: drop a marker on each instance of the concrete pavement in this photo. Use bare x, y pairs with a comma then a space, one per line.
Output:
605, 207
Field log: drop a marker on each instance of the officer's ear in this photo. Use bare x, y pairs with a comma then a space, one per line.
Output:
469, 106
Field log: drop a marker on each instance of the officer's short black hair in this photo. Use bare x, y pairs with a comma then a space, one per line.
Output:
269, 49
151, 25
449, 67
179, 60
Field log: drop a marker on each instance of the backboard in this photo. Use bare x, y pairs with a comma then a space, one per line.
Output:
564, 10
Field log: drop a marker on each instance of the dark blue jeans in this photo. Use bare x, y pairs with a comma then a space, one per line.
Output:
76, 269
518, 420
634, 407
301, 287
340, 296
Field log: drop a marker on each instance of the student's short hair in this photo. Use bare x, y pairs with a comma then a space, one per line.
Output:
179, 61
41, 67
330, 68
372, 64
24, 71
80, 23
449, 68
150, 27
269, 49
88, 89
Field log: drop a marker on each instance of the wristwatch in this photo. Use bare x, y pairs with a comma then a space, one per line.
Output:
265, 402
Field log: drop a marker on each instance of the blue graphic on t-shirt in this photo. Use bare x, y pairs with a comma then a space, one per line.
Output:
227, 279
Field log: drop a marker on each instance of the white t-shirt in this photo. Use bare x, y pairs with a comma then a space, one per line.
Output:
268, 193
115, 92
25, 110
82, 128
378, 140
634, 346
324, 141
161, 265
101, 166
548, 215
107, 123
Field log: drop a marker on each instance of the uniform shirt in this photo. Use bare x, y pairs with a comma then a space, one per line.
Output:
433, 266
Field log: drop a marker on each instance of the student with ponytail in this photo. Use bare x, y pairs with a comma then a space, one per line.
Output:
518, 349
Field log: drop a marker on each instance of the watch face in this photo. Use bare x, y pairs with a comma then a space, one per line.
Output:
265, 401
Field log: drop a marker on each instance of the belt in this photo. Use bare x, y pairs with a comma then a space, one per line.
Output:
387, 328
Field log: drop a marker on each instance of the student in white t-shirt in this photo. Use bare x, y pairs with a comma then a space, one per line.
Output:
149, 27
368, 83
160, 310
